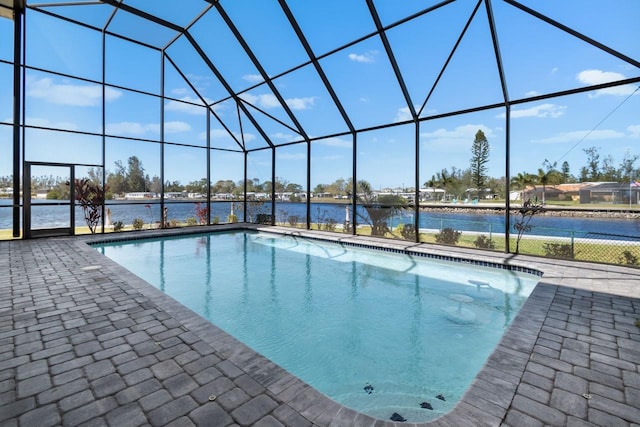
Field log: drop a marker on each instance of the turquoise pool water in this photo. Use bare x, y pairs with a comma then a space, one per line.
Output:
377, 331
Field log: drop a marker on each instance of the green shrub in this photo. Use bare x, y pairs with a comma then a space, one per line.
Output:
118, 226
263, 218
482, 242
174, 223
191, 221
330, 225
407, 231
558, 250
138, 223
232, 218
628, 258
448, 236
293, 220
215, 219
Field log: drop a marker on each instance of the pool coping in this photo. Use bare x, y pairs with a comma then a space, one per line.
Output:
488, 398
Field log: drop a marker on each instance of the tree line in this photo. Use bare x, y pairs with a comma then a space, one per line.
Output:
472, 181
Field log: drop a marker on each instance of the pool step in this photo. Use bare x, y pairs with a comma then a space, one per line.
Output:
382, 404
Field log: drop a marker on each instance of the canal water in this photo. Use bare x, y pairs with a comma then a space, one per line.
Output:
481, 222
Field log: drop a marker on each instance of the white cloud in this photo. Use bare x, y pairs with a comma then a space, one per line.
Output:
402, 115
216, 134
201, 82
253, 78
219, 134
249, 98
218, 108
248, 137
263, 101
464, 131
456, 139
129, 128
541, 111
595, 77
578, 135
366, 57
182, 107
532, 93
301, 103
151, 128
267, 101
176, 127
283, 136
634, 131
45, 123
179, 91
77, 95
140, 129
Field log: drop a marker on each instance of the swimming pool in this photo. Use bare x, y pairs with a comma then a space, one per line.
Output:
380, 332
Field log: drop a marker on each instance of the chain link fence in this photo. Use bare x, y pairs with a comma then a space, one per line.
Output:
552, 242
584, 246
483, 228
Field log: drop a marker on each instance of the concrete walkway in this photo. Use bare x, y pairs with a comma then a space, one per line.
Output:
85, 342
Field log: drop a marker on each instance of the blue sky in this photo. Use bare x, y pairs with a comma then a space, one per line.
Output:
537, 58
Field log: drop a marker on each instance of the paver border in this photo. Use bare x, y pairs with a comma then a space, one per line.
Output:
488, 398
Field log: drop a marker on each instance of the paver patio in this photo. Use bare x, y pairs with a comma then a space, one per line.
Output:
85, 342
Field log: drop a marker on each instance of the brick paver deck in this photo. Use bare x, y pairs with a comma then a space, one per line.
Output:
85, 342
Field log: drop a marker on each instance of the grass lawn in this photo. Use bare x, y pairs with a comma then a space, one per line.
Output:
595, 251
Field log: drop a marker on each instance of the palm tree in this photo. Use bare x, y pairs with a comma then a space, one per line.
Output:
444, 180
543, 178
551, 176
431, 183
521, 181
379, 209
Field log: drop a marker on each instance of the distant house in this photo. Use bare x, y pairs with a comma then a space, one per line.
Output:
173, 195
572, 191
610, 192
322, 195
140, 195
229, 196
550, 192
41, 194
431, 193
